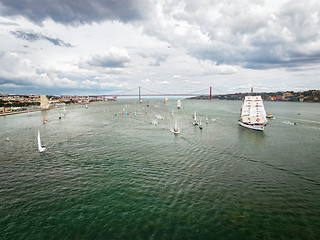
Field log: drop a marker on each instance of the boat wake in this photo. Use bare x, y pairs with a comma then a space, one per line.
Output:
288, 122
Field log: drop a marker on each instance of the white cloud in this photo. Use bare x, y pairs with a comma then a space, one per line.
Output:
88, 82
223, 43
163, 83
145, 81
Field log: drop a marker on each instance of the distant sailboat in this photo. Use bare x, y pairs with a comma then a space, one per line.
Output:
207, 121
28, 113
195, 118
200, 124
40, 148
86, 105
253, 114
179, 104
64, 111
176, 130
59, 115
44, 120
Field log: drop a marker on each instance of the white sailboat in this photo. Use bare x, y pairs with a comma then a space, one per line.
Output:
176, 130
179, 104
86, 105
253, 114
64, 111
195, 119
207, 121
200, 124
40, 148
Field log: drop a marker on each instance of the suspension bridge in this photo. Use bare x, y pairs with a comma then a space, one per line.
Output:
150, 93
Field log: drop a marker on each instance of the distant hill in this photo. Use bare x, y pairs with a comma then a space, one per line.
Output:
306, 96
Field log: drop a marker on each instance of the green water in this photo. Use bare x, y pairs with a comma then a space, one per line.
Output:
108, 175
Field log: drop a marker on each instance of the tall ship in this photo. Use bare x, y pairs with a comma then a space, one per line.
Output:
253, 115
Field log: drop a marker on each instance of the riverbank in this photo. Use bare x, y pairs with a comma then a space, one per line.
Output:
25, 111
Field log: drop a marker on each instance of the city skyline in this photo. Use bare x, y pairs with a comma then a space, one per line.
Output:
105, 47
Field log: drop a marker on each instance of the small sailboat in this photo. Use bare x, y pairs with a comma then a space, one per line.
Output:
28, 113
195, 118
60, 116
40, 147
253, 114
179, 104
64, 111
200, 124
165, 99
207, 121
44, 120
176, 130
86, 105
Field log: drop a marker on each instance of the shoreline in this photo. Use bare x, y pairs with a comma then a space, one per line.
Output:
34, 110
25, 111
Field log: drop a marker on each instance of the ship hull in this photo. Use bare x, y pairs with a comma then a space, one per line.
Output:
252, 126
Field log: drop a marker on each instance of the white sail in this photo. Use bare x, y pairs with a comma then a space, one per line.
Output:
179, 103
39, 141
176, 129
195, 118
40, 148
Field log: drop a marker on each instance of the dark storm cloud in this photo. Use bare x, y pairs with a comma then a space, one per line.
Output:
33, 37
76, 12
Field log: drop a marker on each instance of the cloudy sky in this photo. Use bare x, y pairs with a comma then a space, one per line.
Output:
168, 46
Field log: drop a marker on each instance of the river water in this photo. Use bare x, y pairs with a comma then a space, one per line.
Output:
108, 175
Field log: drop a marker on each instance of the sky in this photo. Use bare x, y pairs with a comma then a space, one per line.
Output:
98, 47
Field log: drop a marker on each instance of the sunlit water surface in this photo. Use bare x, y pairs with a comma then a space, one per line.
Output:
108, 175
